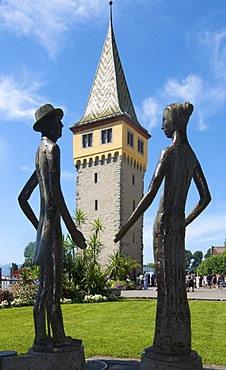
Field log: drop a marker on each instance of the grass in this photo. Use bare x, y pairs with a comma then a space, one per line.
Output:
120, 329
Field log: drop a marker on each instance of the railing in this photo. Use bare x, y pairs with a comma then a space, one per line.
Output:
6, 281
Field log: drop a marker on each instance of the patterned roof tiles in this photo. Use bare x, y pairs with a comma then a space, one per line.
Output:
109, 95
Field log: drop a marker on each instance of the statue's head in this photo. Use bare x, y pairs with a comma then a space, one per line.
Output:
176, 117
48, 120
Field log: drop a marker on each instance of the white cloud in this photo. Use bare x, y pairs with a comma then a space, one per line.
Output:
207, 228
215, 45
19, 99
189, 89
208, 94
26, 168
47, 21
207, 98
150, 109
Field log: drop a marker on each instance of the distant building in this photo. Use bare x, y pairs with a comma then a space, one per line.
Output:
216, 251
148, 269
110, 150
5, 269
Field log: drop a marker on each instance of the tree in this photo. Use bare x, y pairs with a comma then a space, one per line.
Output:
197, 259
14, 268
208, 253
29, 254
188, 258
213, 265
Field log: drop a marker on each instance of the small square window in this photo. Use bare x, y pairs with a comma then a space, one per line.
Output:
140, 146
130, 138
96, 205
134, 205
87, 140
106, 136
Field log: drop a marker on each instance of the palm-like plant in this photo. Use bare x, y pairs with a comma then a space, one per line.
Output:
84, 272
80, 218
119, 266
94, 247
97, 227
93, 281
68, 255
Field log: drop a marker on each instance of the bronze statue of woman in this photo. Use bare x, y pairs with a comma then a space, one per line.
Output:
48, 251
177, 166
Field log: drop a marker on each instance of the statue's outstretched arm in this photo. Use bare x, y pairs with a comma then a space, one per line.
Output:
204, 193
25, 195
148, 198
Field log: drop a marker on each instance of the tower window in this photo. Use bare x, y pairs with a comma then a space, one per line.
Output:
134, 205
140, 146
130, 138
87, 140
133, 179
134, 238
95, 178
106, 136
96, 205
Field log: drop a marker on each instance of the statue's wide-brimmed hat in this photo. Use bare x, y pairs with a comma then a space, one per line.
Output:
43, 112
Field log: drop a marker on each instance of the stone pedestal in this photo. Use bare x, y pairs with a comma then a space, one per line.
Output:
4, 354
153, 361
73, 360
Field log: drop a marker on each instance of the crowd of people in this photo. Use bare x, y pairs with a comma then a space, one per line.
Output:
145, 280
210, 281
217, 281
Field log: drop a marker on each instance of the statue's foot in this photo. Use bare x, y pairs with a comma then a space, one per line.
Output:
48, 344
67, 341
43, 344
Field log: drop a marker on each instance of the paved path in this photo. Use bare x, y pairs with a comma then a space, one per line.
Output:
151, 293
198, 294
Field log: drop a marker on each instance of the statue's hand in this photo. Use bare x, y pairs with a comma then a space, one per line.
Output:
79, 239
121, 233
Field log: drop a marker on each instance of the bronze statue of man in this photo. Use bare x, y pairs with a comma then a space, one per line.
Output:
48, 251
177, 166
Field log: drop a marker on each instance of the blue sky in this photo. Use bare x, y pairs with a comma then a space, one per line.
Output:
171, 51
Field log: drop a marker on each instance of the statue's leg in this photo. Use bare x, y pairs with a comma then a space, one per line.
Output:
172, 331
55, 271
39, 309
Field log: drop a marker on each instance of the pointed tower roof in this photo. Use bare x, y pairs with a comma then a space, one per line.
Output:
109, 96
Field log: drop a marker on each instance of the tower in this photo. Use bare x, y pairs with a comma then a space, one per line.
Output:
110, 154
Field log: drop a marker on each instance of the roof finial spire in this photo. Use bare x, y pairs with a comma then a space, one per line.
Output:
110, 3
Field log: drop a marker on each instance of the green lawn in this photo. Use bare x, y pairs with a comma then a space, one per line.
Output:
120, 329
